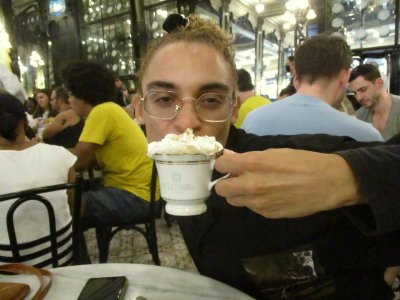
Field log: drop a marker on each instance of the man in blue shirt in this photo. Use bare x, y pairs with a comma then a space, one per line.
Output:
322, 71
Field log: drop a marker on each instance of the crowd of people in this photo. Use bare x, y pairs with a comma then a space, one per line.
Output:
311, 207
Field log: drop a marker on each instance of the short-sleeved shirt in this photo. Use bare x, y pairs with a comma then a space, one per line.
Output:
299, 114
249, 105
122, 156
36, 166
392, 127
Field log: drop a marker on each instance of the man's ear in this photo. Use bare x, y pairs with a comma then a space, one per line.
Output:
379, 83
344, 77
296, 82
138, 109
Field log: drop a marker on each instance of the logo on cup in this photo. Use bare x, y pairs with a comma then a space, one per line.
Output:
176, 177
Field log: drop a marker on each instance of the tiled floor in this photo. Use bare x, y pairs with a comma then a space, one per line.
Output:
130, 247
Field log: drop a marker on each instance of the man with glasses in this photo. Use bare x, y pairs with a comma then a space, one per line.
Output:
188, 80
112, 141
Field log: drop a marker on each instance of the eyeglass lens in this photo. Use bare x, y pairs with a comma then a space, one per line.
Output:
209, 106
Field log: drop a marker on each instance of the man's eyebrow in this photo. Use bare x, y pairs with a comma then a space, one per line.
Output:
160, 84
214, 86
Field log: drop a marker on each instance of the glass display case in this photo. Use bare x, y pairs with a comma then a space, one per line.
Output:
364, 24
106, 34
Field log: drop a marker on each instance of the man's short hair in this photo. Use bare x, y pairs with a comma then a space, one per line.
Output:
61, 93
89, 81
244, 81
291, 58
321, 56
368, 71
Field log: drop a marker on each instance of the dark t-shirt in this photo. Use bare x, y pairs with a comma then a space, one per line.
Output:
323, 256
68, 137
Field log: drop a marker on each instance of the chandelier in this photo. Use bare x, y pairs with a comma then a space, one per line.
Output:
298, 11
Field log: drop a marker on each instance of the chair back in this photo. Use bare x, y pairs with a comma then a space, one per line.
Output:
105, 232
44, 250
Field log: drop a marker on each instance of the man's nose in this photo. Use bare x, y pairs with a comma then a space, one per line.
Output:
187, 117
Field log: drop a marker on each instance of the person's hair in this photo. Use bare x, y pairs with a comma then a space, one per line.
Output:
291, 58
321, 56
61, 93
34, 101
368, 71
89, 81
244, 81
12, 112
197, 30
289, 90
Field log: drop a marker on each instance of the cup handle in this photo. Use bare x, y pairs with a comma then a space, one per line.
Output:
212, 183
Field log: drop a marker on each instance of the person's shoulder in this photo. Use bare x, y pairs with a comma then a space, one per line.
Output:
107, 109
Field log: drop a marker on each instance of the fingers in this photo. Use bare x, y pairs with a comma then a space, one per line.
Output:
232, 162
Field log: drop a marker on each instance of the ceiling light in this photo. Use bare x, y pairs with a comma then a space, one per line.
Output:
259, 8
286, 26
311, 14
302, 4
291, 5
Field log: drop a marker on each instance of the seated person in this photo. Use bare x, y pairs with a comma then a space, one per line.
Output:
111, 140
249, 100
24, 165
322, 256
67, 125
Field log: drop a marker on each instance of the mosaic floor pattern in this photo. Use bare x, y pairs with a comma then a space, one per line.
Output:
129, 246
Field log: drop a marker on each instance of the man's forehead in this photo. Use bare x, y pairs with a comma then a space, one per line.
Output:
187, 61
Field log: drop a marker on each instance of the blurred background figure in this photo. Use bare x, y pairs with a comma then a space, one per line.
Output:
286, 92
66, 126
247, 98
378, 107
45, 113
122, 93
290, 67
31, 105
10, 83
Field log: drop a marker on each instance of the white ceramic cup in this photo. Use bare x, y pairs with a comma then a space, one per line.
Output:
185, 182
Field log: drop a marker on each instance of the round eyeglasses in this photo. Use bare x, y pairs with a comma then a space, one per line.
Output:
166, 105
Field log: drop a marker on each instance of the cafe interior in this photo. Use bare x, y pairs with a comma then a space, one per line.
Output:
38, 36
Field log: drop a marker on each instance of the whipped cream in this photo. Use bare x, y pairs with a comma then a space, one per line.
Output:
185, 143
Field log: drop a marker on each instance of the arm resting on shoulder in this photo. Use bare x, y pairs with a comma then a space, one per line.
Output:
55, 127
86, 155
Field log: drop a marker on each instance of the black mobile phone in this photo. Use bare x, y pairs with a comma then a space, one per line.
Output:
105, 288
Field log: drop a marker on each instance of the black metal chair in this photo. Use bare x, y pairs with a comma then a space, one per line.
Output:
36, 195
105, 232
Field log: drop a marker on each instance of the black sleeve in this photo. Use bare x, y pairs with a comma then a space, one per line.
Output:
377, 170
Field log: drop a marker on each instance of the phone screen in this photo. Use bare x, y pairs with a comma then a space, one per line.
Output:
105, 288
